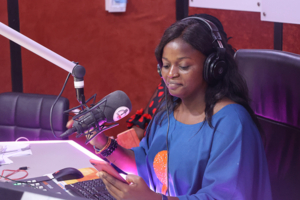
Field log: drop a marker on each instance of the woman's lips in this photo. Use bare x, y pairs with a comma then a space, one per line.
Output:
173, 86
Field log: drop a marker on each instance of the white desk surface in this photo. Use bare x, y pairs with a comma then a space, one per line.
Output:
50, 156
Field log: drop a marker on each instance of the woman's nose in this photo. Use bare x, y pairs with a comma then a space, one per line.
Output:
173, 72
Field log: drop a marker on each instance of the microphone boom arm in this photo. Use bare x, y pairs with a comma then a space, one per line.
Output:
77, 70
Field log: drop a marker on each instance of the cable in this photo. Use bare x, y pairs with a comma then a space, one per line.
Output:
167, 138
51, 110
13, 172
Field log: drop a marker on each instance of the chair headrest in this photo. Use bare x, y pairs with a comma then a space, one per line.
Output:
273, 79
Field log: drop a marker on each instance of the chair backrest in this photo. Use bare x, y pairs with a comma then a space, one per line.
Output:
28, 115
273, 79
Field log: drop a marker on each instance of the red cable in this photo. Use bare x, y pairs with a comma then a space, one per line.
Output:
13, 172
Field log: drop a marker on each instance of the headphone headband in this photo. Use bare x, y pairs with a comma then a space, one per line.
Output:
213, 28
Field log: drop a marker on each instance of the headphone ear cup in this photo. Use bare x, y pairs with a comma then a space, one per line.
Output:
219, 69
159, 70
207, 68
214, 69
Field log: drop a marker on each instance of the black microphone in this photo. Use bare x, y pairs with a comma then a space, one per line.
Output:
78, 73
111, 108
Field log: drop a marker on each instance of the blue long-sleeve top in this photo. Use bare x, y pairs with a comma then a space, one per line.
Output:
224, 162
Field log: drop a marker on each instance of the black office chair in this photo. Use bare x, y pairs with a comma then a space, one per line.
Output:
273, 79
28, 115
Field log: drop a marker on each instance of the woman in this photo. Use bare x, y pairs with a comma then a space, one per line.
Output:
204, 134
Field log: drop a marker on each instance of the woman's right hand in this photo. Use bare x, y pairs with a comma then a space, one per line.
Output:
136, 188
70, 123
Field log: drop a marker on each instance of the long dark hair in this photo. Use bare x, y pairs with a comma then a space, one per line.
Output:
199, 36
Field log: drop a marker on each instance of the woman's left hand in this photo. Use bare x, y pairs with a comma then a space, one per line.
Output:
136, 189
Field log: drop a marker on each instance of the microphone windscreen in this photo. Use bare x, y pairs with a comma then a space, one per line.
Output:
116, 107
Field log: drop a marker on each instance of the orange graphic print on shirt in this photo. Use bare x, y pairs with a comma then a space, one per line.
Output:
160, 168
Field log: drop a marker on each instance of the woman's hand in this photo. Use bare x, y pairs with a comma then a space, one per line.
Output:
136, 189
70, 123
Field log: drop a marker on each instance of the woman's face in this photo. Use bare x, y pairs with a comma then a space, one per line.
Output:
182, 69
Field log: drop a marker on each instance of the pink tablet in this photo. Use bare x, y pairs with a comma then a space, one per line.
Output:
101, 165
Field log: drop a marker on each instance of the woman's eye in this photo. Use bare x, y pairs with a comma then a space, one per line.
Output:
184, 67
166, 66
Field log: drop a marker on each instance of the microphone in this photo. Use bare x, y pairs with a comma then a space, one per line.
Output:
78, 73
111, 108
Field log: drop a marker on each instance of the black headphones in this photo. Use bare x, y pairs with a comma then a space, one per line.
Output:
215, 65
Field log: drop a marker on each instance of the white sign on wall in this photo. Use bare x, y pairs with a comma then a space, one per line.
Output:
285, 11
243, 5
